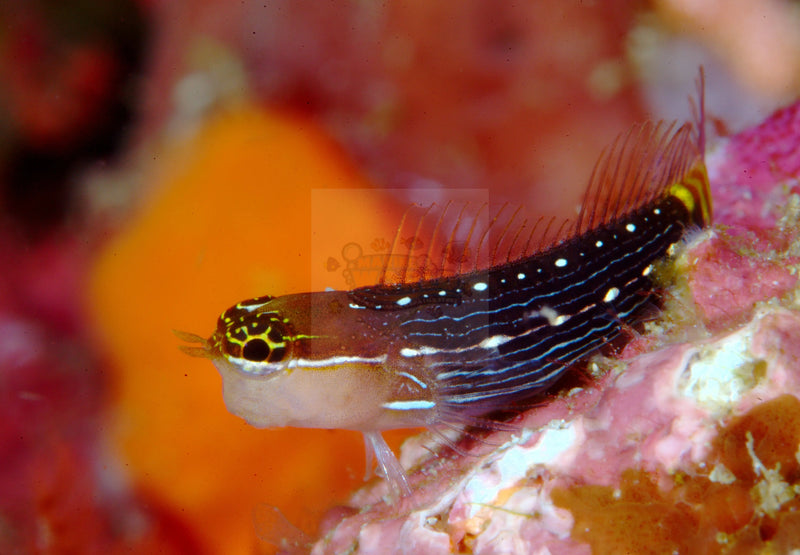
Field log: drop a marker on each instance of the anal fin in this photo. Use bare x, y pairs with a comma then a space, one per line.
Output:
387, 462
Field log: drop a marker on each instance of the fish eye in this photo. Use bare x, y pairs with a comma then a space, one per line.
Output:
268, 346
256, 350
257, 337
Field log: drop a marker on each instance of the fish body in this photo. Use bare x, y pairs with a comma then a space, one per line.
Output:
448, 350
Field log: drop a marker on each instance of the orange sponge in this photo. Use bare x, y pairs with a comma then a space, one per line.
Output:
234, 215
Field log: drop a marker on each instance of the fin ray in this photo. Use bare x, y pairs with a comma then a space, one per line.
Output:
649, 161
639, 167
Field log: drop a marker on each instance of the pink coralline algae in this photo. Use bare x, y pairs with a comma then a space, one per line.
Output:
689, 437
754, 172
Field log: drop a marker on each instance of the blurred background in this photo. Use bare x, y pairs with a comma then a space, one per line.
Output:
160, 161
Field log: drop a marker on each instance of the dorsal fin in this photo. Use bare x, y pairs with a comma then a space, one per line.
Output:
435, 241
639, 167
699, 110
438, 241
648, 162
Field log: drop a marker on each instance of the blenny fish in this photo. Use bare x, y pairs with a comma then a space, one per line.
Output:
449, 350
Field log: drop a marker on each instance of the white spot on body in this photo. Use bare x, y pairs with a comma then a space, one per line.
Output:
553, 318
598, 244
494, 341
480, 286
611, 294
520, 276
630, 227
409, 405
657, 211
250, 308
672, 248
561, 262
408, 352
442, 293
404, 301
558, 320
647, 270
